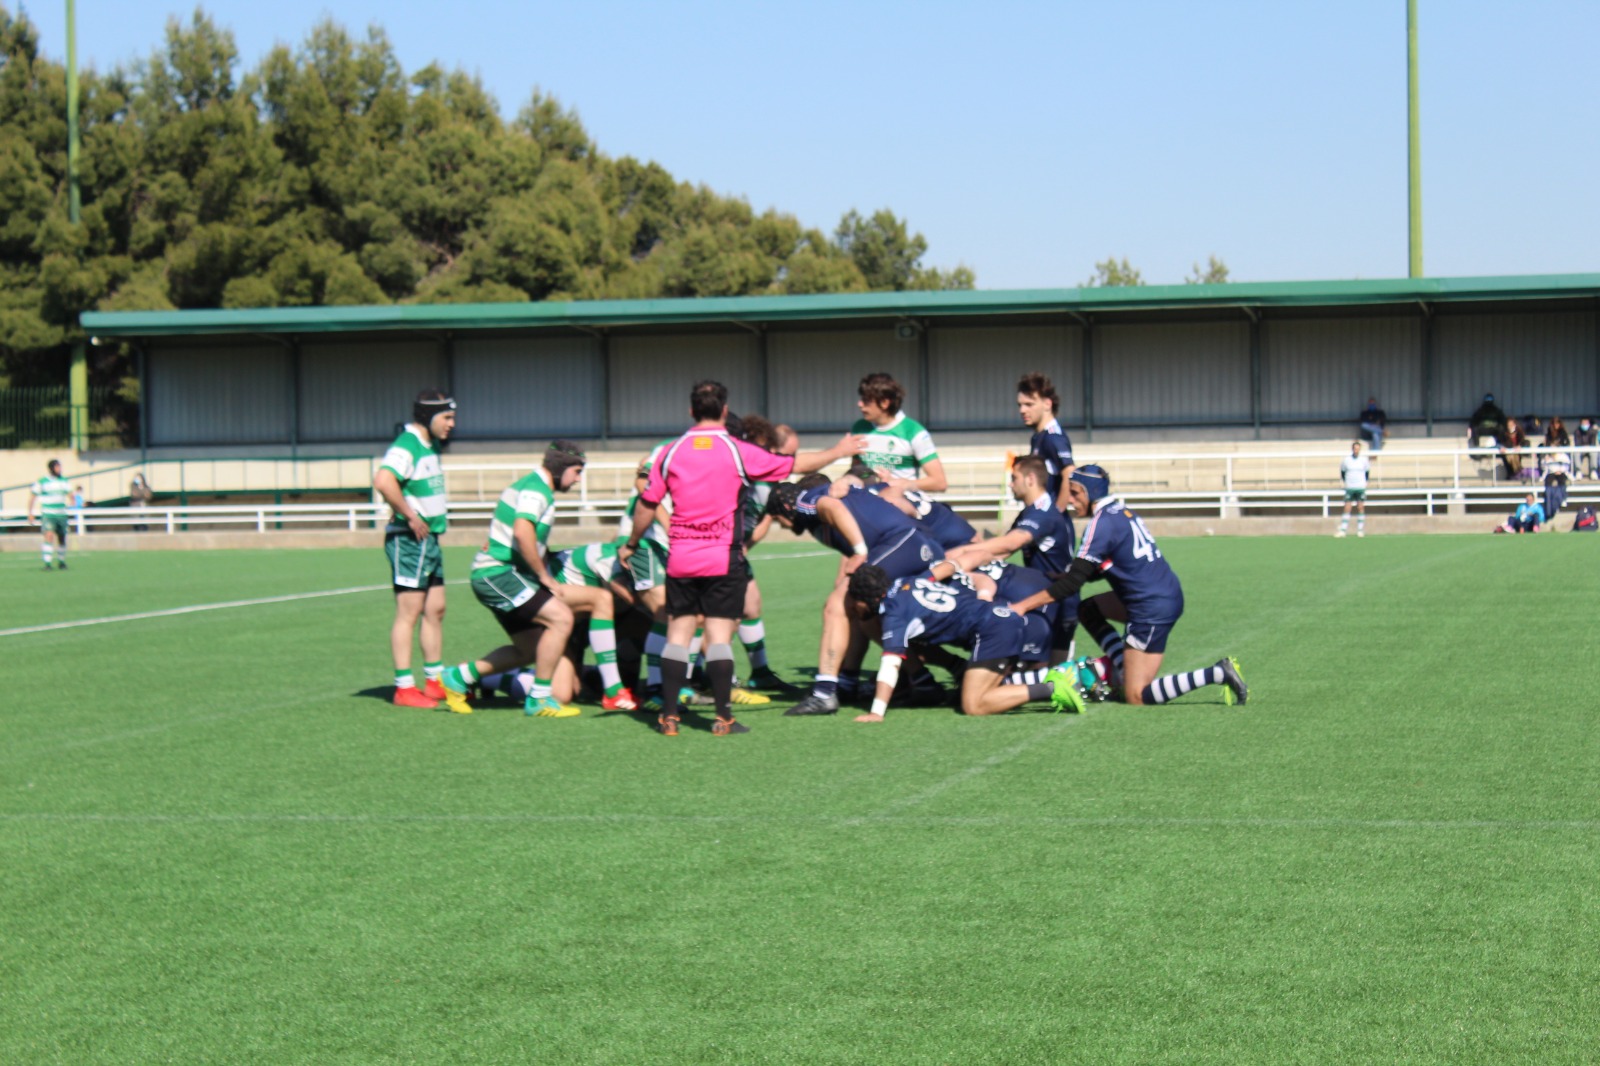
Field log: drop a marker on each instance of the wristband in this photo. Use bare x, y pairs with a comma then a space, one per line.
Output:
858, 548
879, 708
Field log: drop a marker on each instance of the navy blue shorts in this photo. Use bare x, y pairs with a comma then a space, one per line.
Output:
1005, 636
1148, 636
907, 555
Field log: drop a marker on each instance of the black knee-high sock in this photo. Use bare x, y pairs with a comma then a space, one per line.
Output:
674, 672
1110, 641
719, 671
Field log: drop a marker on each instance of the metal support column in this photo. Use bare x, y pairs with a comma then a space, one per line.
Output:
924, 375
1088, 378
1427, 367
1255, 371
447, 350
294, 397
603, 339
763, 377
142, 359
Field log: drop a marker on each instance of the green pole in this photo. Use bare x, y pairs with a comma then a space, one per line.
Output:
78, 380
1415, 139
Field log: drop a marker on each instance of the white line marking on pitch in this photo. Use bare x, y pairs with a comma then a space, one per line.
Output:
956, 821
196, 608
289, 598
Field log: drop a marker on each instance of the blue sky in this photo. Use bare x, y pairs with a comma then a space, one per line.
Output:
1029, 140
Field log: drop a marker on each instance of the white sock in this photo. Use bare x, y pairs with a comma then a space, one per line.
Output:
602, 641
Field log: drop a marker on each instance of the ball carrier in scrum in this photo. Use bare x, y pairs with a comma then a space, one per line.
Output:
707, 472
1145, 595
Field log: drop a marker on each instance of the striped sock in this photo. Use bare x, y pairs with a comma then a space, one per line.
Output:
432, 671
1172, 686
825, 686
603, 639
403, 679
468, 672
540, 689
753, 635
652, 654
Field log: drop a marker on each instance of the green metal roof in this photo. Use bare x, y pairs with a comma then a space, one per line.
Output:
595, 314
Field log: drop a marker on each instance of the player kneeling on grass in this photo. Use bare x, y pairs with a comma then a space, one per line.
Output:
943, 606
510, 578
1145, 595
592, 579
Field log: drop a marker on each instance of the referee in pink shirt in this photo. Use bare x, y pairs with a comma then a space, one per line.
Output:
707, 472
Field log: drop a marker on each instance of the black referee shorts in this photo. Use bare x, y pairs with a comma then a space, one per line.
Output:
715, 597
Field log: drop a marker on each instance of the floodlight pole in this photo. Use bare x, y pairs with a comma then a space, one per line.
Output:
1415, 139
78, 379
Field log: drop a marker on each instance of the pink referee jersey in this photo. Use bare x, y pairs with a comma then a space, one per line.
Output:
707, 472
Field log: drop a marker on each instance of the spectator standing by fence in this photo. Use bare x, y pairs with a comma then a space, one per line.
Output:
1557, 470
139, 497
1374, 424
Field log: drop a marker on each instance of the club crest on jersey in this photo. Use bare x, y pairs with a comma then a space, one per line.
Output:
927, 553
1002, 612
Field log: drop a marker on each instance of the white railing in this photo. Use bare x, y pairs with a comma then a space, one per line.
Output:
263, 518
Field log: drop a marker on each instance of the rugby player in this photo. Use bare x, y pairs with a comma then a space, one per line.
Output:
864, 529
510, 577
50, 495
943, 606
1145, 595
938, 520
1353, 472
780, 440
591, 580
1043, 536
1038, 403
707, 472
898, 448
411, 481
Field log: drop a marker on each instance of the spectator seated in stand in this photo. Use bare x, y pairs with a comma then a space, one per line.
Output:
1487, 421
1374, 424
1586, 437
1527, 518
1512, 441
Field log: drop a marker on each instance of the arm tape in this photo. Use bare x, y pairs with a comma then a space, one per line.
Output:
1070, 582
888, 674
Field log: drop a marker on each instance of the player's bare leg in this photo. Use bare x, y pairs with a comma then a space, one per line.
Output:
1139, 668
408, 609
983, 691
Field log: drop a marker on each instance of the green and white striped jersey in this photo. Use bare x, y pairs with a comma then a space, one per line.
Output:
416, 466
592, 565
529, 497
903, 445
54, 494
657, 532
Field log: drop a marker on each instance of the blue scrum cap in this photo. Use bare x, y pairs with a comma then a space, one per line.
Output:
1095, 481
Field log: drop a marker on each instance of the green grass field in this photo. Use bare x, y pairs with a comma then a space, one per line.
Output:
219, 843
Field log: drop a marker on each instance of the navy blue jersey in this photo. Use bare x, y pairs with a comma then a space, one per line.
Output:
936, 519
1117, 542
1016, 583
881, 522
920, 608
1050, 550
1051, 445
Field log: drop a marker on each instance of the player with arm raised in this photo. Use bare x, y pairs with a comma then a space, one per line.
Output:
898, 448
1145, 595
511, 578
1043, 536
707, 473
411, 481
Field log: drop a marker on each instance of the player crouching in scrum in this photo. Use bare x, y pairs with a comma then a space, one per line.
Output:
1145, 595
